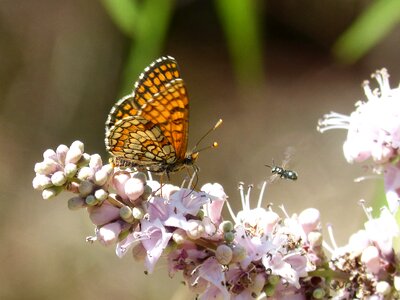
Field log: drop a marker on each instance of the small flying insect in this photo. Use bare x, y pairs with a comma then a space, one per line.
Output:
281, 171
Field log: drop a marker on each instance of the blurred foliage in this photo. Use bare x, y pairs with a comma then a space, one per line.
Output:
367, 30
241, 22
146, 23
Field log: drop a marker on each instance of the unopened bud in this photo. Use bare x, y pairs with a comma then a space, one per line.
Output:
91, 200
51, 192
76, 203
137, 213
70, 170
100, 177
58, 178
226, 226
224, 254
125, 213
383, 288
238, 253
85, 188
229, 236
101, 194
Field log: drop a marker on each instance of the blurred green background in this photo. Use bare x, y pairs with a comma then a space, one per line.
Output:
270, 69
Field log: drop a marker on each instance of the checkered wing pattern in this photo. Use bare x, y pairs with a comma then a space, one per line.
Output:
150, 126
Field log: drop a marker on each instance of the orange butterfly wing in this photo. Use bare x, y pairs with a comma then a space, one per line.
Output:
159, 103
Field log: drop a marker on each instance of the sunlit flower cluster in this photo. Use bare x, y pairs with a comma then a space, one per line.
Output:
262, 251
374, 132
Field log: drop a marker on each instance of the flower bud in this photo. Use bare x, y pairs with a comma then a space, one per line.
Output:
91, 200
61, 153
223, 254
118, 180
134, 188
77, 144
383, 288
41, 182
70, 170
50, 154
58, 178
95, 162
73, 155
125, 213
137, 213
51, 192
76, 203
226, 226
100, 177
85, 173
85, 188
309, 219
238, 253
229, 237
101, 195
46, 167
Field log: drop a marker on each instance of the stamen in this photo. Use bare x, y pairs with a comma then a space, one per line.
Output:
260, 198
242, 197
362, 178
333, 120
331, 237
367, 210
248, 196
231, 212
191, 180
284, 211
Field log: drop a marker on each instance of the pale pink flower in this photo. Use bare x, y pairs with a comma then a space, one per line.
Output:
212, 272
374, 127
154, 238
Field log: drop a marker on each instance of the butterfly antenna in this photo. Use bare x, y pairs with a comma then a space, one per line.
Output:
215, 144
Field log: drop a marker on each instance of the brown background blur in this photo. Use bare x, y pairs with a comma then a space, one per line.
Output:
60, 73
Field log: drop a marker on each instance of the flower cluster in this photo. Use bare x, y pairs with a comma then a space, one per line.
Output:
374, 132
259, 253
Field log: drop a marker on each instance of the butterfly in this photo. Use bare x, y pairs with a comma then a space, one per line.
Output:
148, 129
